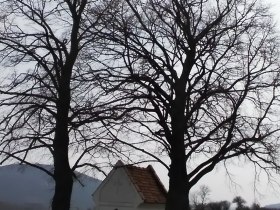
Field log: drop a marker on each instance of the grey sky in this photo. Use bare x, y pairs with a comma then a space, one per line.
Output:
243, 174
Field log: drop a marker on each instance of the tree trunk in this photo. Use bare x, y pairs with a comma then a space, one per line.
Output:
62, 171
178, 194
63, 181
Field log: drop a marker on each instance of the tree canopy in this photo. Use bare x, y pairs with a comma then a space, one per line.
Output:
51, 104
194, 81
204, 76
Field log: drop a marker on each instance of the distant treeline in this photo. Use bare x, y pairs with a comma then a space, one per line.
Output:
200, 201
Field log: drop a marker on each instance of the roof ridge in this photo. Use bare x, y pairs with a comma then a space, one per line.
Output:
120, 164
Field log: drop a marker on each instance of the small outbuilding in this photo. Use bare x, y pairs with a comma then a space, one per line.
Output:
129, 187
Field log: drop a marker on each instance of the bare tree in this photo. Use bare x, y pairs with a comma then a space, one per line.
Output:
49, 96
240, 202
221, 205
204, 192
255, 206
204, 79
200, 197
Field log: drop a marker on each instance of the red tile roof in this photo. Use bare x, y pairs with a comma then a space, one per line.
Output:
147, 183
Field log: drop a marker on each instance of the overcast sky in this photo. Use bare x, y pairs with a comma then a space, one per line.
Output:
222, 187
275, 9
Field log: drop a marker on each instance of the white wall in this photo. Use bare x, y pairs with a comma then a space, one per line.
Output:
117, 192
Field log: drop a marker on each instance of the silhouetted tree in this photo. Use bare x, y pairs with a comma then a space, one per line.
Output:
255, 206
221, 205
240, 202
49, 96
199, 198
204, 77
204, 192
